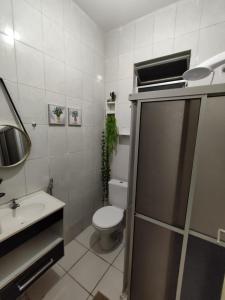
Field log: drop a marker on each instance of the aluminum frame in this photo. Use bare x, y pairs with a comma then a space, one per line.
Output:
198, 93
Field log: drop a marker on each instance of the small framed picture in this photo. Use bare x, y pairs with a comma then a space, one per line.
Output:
74, 116
56, 114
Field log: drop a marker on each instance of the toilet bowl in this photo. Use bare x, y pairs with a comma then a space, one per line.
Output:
108, 219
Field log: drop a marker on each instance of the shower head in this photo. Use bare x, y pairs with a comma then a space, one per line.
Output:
204, 69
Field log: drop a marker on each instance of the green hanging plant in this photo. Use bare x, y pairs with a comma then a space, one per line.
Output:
109, 143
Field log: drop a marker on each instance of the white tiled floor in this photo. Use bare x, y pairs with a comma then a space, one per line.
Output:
82, 272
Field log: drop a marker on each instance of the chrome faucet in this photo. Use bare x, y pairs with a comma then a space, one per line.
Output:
13, 204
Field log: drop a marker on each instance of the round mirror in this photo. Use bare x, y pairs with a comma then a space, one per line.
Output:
15, 146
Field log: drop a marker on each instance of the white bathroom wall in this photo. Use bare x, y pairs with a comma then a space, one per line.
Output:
52, 52
198, 25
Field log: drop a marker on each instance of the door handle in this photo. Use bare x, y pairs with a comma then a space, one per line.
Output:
45, 267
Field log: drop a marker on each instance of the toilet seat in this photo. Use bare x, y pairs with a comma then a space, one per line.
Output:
107, 217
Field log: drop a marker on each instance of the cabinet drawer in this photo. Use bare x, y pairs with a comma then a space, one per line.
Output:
15, 288
29, 232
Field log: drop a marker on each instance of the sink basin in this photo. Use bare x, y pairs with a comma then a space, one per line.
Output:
20, 215
32, 208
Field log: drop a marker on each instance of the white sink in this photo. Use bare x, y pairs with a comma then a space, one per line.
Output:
32, 208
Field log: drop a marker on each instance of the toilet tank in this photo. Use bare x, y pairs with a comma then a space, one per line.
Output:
118, 193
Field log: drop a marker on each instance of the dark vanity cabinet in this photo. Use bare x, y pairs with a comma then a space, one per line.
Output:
29, 253
176, 197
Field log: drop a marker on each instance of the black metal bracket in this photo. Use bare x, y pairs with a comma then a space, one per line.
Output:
12, 105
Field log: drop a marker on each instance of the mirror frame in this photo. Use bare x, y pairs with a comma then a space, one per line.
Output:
29, 147
22, 129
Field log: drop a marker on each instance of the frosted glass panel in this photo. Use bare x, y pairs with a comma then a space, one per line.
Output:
166, 149
208, 213
156, 259
204, 271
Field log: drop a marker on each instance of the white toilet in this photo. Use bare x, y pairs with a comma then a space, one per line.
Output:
108, 219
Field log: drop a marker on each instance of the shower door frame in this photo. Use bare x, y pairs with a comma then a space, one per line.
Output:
195, 93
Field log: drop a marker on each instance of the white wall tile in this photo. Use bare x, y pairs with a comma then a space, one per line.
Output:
112, 43
126, 38
144, 31
87, 30
76, 170
13, 183
188, 41
125, 87
75, 139
24, 16
188, 16
7, 58
123, 115
39, 137
163, 48
59, 172
72, 18
53, 9
125, 66
73, 83
73, 49
211, 41
111, 69
54, 98
165, 23
29, 65
54, 75
213, 12
35, 3
53, 39
37, 174
57, 137
88, 89
143, 53
6, 20
32, 105
120, 162
87, 59
52, 59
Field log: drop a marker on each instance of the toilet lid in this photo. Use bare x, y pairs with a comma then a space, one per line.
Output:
107, 217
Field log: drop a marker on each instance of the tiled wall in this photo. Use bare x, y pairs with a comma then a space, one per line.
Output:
52, 52
198, 25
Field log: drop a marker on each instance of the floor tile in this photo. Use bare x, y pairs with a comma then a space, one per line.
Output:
109, 256
73, 252
90, 297
45, 283
89, 270
88, 237
111, 285
119, 261
66, 289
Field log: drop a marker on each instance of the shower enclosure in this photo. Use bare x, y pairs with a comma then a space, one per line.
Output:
176, 198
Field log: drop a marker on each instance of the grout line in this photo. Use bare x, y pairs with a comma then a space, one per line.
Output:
75, 262
106, 271
78, 283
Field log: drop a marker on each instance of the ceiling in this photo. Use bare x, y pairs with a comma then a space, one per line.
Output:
109, 14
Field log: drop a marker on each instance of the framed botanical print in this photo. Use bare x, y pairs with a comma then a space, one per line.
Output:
74, 116
56, 114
